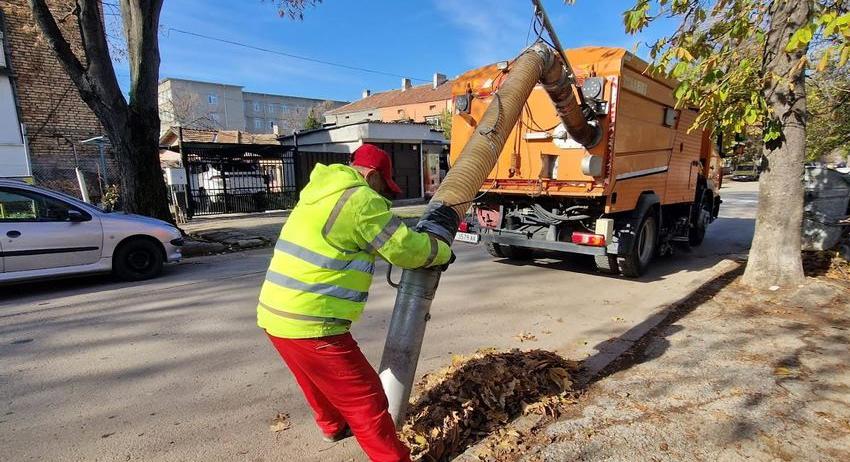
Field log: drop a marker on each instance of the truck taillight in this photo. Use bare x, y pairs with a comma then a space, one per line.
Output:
596, 240
463, 227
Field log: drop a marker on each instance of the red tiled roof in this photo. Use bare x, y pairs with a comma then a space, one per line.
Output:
418, 94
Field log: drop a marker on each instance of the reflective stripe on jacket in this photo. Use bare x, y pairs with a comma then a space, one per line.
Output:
319, 276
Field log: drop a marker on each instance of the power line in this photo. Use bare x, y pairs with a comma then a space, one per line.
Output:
289, 55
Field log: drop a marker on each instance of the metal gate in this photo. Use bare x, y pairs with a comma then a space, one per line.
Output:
231, 181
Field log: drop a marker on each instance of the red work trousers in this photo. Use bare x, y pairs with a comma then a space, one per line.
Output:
341, 387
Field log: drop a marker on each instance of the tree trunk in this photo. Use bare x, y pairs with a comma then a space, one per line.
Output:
143, 189
145, 186
775, 256
133, 128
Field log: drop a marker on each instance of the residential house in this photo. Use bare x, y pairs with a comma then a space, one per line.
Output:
421, 103
417, 151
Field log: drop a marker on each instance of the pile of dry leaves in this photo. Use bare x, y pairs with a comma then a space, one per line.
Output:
826, 263
463, 403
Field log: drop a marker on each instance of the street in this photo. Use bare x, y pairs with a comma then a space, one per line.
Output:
176, 369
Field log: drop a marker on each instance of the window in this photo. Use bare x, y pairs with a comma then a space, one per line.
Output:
270, 108
258, 107
212, 99
434, 121
20, 205
258, 124
432, 107
271, 124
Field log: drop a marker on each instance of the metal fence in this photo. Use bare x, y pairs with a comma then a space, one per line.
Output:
219, 181
64, 178
227, 181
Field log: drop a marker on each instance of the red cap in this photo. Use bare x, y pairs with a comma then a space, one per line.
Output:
371, 156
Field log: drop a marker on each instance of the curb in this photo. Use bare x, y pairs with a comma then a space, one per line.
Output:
614, 351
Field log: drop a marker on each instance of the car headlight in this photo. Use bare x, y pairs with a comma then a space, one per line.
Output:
178, 242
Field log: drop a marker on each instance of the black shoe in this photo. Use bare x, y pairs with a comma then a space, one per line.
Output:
339, 436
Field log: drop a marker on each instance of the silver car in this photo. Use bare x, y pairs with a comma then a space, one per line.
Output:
45, 234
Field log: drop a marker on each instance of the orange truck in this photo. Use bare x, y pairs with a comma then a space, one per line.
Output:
648, 179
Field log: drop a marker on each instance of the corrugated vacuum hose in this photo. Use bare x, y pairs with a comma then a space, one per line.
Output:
454, 197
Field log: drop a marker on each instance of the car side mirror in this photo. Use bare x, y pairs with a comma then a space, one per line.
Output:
75, 216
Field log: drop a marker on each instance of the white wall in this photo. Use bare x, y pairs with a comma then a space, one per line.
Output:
14, 161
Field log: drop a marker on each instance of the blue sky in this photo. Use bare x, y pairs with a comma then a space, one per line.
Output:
413, 38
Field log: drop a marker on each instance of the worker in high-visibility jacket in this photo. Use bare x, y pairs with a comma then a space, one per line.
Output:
317, 284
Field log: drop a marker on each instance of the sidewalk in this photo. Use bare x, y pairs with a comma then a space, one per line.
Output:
734, 375
223, 233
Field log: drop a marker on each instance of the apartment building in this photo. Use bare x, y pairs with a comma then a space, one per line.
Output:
209, 105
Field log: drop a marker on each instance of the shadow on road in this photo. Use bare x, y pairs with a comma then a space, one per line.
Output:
727, 236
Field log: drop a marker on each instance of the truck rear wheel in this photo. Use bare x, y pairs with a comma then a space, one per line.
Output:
696, 233
635, 263
510, 252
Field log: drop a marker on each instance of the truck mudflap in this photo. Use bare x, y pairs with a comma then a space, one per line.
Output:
626, 233
522, 241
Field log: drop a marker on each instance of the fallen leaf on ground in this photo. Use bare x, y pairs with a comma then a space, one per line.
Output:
280, 423
526, 337
782, 371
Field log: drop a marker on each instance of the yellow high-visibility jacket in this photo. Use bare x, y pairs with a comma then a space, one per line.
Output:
319, 276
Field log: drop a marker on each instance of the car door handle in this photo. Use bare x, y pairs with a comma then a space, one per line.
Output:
13, 234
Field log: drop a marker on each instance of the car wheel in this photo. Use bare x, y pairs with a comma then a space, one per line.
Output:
643, 250
137, 260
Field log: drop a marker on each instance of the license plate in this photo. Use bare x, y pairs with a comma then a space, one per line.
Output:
472, 238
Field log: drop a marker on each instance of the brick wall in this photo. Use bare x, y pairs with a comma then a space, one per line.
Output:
51, 108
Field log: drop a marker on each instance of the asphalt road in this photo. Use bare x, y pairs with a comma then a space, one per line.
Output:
176, 369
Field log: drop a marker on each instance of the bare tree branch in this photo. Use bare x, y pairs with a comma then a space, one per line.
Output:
60, 46
99, 63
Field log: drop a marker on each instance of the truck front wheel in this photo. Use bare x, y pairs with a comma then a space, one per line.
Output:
635, 263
